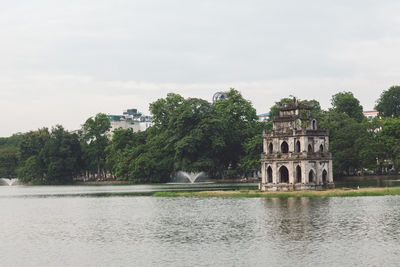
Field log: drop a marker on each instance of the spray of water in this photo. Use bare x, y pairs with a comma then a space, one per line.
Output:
5, 181
191, 176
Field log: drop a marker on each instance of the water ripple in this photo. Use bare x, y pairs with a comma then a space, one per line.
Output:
146, 231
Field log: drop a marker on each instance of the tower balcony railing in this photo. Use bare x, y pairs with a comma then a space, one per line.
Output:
296, 155
280, 132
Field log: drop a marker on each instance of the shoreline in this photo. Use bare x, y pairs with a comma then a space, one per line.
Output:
235, 180
103, 182
119, 182
342, 192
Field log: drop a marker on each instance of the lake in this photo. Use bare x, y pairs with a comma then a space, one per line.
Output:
368, 181
79, 226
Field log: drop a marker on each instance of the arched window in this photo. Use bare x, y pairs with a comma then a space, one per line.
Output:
324, 176
314, 125
270, 148
311, 176
284, 175
310, 148
269, 174
284, 147
297, 147
298, 174
321, 148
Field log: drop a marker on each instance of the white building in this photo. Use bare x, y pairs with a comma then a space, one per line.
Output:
296, 153
130, 119
263, 117
370, 114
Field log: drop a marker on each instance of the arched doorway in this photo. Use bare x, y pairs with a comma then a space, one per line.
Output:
270, 148
321, 148
298, 174
284, 175
311, 177
284, 147
269, 174
310, 149
297, 147
324, 176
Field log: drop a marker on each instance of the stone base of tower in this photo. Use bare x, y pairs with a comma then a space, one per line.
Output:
294, 187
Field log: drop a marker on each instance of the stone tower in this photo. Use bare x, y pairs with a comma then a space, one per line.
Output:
296, 153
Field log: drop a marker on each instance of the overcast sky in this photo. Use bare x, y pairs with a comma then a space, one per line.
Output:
64, 61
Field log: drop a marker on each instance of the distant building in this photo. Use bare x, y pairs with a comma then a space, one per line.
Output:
370, 114
130, 118
263, 117
296, 153
74, 131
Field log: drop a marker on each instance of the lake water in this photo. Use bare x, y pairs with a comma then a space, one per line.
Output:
368, 181
78, 226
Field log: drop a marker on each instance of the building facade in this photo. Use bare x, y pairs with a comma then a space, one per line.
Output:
370, 114
263, 117
130, 118
296, 153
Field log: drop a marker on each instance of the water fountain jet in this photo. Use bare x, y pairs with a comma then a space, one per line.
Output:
191, 176
8, 181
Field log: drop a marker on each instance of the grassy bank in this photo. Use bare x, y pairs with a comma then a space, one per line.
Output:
255, 193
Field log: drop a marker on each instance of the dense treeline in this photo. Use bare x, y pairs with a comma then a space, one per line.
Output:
359, 144
223, 139
188, 134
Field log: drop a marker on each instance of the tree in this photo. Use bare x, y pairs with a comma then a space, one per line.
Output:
8, 161
31, 170
122, 140
162, 110
32, 167
95, 140
345, 102
192, 130
62, 156
370, 150
389, 137
343, 134
251, 161
239, 123
32, 143
388, 104
49, 157
9, 155
188, 134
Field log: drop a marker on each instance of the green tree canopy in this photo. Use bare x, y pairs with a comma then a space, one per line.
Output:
49, 157
9, 155
345, 102
191, 135
8, 161
239, 123
388, 104
62, 156
95, 141
389, 137
343, 134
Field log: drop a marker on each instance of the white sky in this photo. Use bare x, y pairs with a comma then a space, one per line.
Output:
66, 60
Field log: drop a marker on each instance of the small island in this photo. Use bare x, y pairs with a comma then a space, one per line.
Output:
342, 192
